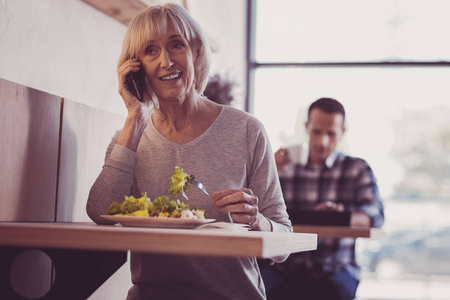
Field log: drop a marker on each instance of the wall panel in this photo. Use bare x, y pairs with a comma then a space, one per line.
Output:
29, 129
86, 133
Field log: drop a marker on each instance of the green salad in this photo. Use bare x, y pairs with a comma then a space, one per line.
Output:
162, 206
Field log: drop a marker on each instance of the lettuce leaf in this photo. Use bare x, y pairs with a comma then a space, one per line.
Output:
179, 182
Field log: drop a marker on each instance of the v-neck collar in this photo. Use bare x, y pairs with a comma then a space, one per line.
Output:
152, 126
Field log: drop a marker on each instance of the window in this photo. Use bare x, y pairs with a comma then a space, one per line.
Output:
351, 31
388, 62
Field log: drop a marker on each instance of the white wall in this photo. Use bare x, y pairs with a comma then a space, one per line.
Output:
225, 21
65, 48
70, 49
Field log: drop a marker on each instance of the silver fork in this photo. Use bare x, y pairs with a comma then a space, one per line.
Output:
198, 184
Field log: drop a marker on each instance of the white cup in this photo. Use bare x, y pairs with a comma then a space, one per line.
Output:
299, 153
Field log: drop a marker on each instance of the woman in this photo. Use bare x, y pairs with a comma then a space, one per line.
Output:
174, 125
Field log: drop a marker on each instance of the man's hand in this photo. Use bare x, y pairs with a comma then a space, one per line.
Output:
357, 219
329, 206
360, 219
282, 158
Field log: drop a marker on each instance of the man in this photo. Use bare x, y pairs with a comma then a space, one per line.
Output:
330, 180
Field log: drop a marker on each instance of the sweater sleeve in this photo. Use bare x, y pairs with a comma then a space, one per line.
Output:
114, 182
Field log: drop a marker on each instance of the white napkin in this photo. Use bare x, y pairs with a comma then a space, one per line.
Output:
224, 226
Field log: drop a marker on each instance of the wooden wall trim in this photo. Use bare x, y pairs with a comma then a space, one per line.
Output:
125, 10
121, 10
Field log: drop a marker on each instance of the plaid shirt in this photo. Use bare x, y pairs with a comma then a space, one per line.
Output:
344, 179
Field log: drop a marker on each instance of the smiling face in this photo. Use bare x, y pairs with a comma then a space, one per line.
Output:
168, 62
325, 130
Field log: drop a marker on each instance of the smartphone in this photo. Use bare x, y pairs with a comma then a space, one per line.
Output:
137, 83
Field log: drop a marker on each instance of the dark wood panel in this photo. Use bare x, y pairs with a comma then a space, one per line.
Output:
29, 128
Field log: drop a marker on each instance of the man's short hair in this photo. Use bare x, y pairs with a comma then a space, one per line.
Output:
328, 105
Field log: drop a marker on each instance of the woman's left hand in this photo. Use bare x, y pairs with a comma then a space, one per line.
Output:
242, 205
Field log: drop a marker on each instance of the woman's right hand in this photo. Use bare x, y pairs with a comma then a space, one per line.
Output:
138, 112
124, 74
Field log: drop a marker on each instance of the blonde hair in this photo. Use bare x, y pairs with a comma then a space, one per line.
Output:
152, 23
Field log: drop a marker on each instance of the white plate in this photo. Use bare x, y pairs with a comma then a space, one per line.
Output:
130, 221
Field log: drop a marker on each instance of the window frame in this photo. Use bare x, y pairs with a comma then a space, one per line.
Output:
253, 65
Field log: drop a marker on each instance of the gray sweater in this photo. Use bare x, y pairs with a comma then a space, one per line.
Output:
233, 152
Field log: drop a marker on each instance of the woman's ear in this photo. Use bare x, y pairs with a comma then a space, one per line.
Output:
197, 53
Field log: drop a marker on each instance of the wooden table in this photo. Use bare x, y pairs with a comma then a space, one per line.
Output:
89, 236
339, 231
86, 254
